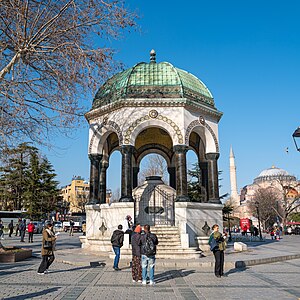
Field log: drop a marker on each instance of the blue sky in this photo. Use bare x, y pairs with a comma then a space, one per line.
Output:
246, 52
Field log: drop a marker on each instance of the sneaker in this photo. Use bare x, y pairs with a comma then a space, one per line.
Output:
134, 281
117, 269
139, 281
41, 273
47, 271
144, 282
152, 282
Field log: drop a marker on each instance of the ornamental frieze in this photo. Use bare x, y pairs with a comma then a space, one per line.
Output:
200, 121
153, 114
111, 124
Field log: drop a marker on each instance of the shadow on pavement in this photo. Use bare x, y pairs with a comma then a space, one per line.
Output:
172, 274
69, 270
235, 270
2, 273
32, 295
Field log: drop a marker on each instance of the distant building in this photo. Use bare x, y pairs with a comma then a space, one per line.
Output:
273, 178
76, 194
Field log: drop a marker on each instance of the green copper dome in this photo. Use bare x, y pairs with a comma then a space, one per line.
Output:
153, 80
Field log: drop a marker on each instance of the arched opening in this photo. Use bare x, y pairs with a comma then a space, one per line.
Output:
114, 176
197, 169
153, 165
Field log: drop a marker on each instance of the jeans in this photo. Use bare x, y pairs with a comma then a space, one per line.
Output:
148, 262
117, 251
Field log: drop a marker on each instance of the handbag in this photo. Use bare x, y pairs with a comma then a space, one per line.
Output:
47, 244
213, 244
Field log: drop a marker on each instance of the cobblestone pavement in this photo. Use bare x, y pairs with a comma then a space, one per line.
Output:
20, 281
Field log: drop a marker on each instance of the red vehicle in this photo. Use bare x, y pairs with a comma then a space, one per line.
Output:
245, 223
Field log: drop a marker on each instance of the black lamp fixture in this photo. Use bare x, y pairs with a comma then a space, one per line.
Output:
296, 135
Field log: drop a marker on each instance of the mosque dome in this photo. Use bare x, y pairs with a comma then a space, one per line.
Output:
153, 81
273, 173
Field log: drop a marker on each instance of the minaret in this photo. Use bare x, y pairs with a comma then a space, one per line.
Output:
233, 186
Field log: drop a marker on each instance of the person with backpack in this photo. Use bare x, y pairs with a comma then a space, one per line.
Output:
117, 240
217, 246
148, 242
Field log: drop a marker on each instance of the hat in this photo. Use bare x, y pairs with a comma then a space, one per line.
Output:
138, 229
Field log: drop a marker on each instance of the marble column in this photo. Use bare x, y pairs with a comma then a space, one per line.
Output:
102, 182
204, 177
181, 173
135, 173
172, 176
95, 160
126, 183
213, 180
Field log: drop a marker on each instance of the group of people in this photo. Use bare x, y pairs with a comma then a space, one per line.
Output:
275, 233
20, 228
143, 243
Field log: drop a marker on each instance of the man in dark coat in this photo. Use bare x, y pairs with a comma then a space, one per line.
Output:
117, 240
22, 228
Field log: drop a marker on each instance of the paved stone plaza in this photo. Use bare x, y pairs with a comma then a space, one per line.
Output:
278, 280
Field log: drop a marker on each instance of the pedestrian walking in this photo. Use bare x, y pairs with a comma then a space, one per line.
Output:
72, 223
30, 229
117, 240
136, 255
48, 247
148, 242
11, 228
22, 229
18, 227
217, 246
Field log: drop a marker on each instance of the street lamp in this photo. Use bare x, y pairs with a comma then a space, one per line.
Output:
296, 134
258, 218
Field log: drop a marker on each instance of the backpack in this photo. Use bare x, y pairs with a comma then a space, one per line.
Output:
149, 248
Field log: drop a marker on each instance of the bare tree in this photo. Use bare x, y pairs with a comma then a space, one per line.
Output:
155, 165
289, 197
265, 199
53, 56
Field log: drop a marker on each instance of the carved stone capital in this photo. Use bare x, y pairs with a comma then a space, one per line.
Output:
95, 158
212, 156
180, 149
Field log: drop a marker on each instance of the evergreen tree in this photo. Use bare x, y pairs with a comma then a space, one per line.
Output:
13, 178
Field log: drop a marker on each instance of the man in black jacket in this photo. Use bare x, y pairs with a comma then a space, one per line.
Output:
117, 239
148, 242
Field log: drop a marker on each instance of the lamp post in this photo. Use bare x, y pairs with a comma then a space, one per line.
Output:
296, 134
258, 218
230, 238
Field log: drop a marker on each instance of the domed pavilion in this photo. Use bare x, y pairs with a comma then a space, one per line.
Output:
153, 108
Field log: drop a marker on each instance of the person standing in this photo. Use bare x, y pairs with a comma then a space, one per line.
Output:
1, 230
47, 250
218, 250
22, 229
148, 242
72, 223
136, 255
18, 226
11, 228
117, 240
30, 229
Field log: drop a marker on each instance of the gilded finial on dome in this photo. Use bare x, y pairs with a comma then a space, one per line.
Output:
153, 56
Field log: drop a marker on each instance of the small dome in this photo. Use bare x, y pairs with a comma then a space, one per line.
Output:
153, 80
273, 171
